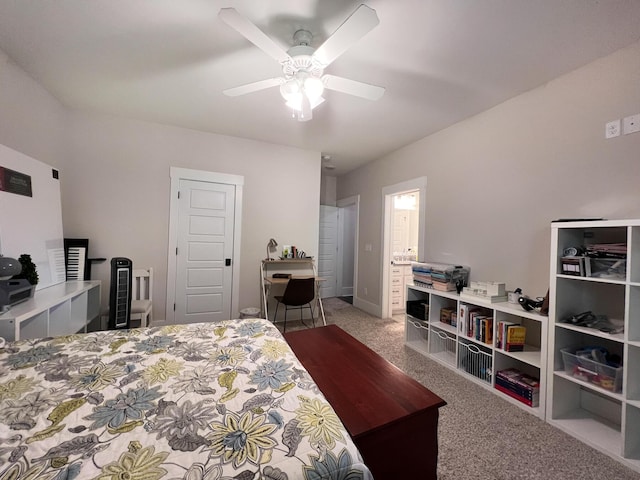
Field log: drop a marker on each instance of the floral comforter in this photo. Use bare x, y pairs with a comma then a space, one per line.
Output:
196, 402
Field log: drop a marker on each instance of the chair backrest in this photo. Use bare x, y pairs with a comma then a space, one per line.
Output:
142, 284
299, 291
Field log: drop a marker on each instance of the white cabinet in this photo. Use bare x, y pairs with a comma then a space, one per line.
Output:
400, 277
591, 397
62, 309
476, 359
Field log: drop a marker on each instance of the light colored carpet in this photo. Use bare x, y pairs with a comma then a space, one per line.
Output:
481, 436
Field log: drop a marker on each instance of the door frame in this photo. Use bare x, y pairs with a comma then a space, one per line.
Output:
346, 202
420, 184
176, 175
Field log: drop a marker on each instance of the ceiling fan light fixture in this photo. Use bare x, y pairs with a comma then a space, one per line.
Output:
289, 88
303, 81
295, 101
313, 88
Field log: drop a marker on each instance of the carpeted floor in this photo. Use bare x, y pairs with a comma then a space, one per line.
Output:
481, 436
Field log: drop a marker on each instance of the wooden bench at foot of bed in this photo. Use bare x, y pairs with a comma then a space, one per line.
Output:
392, 418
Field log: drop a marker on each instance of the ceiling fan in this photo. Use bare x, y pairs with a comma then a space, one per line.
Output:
304, 80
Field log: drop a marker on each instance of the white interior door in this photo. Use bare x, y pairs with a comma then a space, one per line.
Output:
204, 252
327, 250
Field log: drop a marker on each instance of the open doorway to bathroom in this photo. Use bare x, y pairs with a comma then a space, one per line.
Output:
404, 206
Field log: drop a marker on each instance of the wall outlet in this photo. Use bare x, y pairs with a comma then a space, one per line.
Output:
612, 129
631, 124
366, 291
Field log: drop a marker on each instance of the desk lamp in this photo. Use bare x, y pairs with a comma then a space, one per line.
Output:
270, 246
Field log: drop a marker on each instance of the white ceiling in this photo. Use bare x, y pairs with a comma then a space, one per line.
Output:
441, 61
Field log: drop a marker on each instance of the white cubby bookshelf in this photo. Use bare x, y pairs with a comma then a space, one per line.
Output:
588, 407
62, 309
474, 359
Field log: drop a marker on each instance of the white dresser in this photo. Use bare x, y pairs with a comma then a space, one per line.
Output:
401, 276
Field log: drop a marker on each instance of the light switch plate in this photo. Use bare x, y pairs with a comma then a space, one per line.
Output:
631, 124
612, 129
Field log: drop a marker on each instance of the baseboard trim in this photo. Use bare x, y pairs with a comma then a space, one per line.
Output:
370, 308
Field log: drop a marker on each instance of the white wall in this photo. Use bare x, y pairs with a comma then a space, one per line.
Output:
495, 181
117, 193
328, 185
114, 176
31, 120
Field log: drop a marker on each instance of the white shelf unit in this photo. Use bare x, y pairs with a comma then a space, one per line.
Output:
476, 360
62, 309
605, 419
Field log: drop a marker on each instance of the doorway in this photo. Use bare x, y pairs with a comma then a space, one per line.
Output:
405, 217
337, 260
204, 246
348, 209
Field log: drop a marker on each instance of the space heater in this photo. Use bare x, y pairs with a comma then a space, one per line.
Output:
120, 293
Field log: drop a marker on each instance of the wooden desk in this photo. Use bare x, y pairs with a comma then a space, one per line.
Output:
296, 263
391, 417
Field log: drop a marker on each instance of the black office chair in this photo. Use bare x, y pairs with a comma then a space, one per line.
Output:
298, 294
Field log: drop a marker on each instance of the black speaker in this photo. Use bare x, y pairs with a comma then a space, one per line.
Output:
120, 293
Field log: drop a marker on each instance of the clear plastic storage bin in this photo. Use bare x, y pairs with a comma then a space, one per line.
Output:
591, 371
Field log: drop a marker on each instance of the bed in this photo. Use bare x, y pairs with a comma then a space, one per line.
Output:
208, 401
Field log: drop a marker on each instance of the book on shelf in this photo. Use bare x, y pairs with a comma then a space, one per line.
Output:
534, 401
500, 333
445, 315
463, 318
519, 385
480, 326
514, 338
473, 327
515, 376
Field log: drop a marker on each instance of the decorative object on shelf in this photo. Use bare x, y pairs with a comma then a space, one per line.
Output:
514, 297
487, 291
544, 308
529, 303
271, 246
29, 270
589, 320
15, 285
9, 267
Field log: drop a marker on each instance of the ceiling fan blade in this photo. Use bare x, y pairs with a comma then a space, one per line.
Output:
353, 87
361, 22
253, 87
231, 17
